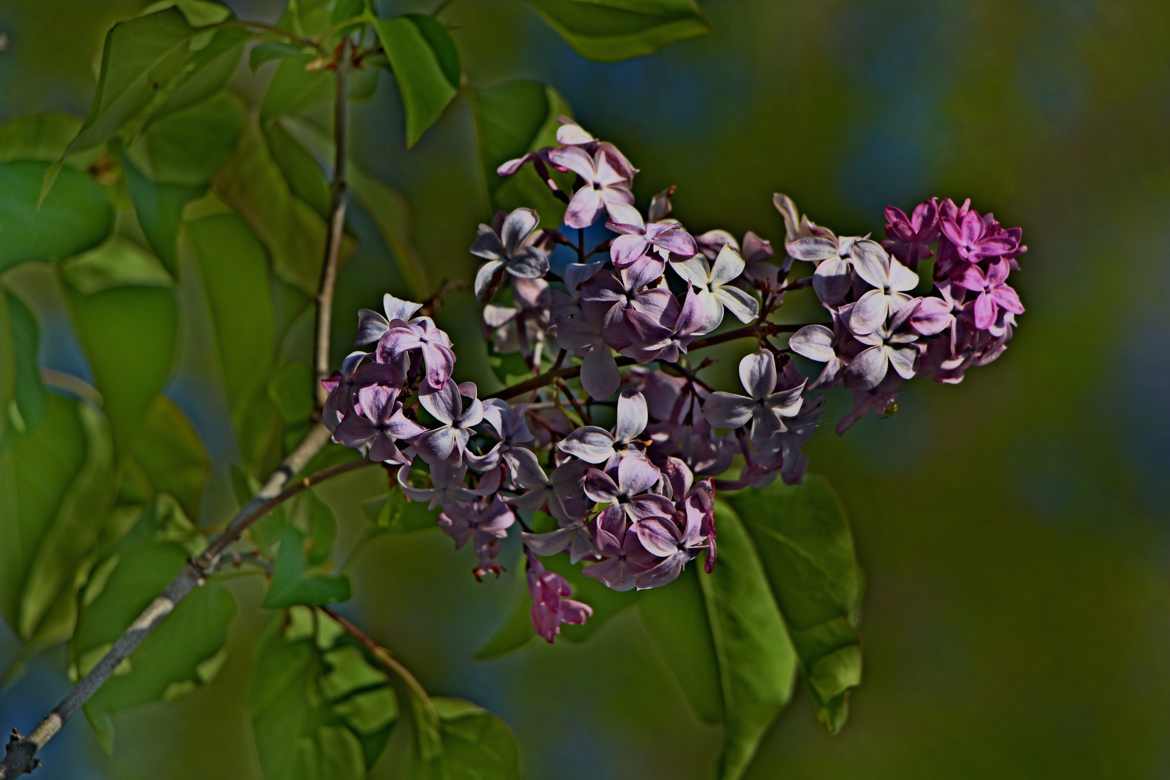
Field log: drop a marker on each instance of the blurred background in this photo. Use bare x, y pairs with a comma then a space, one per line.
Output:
1013, 528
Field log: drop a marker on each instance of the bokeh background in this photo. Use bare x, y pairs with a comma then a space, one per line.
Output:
1013, 529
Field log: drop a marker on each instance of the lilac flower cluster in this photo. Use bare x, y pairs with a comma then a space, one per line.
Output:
613, 450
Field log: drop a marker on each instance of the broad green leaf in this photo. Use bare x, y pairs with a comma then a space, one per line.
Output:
289, 390
153, 65
305, 176
58, 485
125, 314
184, 651
21, 383
292, 586
76, 215
749, 646
198, 12
271, 51
234, 271
391, 213
160, 211
804, 541
319, 710
609, 30
171, 457
301, 88
294, 234
476, 745
512, 119
189, 146
42, 137
308, 516
426, 68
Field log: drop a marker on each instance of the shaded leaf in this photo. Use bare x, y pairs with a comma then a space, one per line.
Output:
804, 541
171, 457
153, 65
159, 208
185, 650
76, 215
391, 213
42, 137
125, 314
292, 586
512, 119
395, 514
476, 745
749, 646
425, 63
189, 146
305, 176
618, 29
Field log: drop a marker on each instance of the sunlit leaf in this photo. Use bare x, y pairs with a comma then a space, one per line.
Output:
20, 384
512, 119
476, 745
76, 215
122, 303
425, 65
803, 538
617, 29
234, 272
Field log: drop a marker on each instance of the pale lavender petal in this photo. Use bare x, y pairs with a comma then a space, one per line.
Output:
902, 279
583, 208
590, 443
903, 361
599, 373
636, 474
665, 572
870, 312
871, 366
757, 373
487, 244
728, 266
445, 404
742, 304
812, 249
632, 416
529, 263
694, 270
984, 311
371, 326
517, 226
657, 537
436, 445
727, 410
626, 249
486, 277
701, 313
599, 487
832, 280
572, 134
814, 342
440, 362
399, 309
576, 160
871, 262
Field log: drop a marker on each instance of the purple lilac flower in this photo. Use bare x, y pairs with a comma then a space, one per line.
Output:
764, 407
833, 258
635, 239
510, 246
421, 335
635, 309
885, 347
377, 424
715, 291
448, 441
816, 342
975, 238
597, 445
373, 325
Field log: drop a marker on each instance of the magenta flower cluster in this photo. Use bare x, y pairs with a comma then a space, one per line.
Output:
616, 443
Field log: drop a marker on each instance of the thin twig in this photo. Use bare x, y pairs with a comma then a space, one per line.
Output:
379, 653
333, 242
21, 755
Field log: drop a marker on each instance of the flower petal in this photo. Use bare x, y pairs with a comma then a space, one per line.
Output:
729, 265
871, 262
870, 312
518, 225
445, 404
757, 373
814, 342
871, 366
728, 410
632, 416
487, 277
589, 443
583, 208
742, 304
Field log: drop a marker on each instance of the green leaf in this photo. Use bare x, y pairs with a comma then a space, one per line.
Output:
610, 30
294, 234
125, 314
804, 541
319, 710
425, 63
305, 176
397, 515
291, 586
301, 88
185, 650
476, 745
76, 215
512, 119
289, 390
42, 137
153, 65
749, 647
234, 271
171, 457
189, 146
160, 211
391, 213
21, 380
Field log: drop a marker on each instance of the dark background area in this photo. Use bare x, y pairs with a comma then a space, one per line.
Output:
1013, 528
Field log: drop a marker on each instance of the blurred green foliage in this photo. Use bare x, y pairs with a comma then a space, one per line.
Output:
1013, 528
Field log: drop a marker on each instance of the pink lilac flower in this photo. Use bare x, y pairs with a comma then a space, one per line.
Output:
910, 238
603, 186
993, 292
377, 424
551, 605
975, 238
420, 335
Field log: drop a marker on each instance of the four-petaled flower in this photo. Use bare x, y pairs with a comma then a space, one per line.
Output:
715, 289
975, 238
890, 281
448, 441
511, 247
421, 334
603, 186
377, 424
910, 237
764, 407
887, 346
993, 292
637, 237
597, 445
